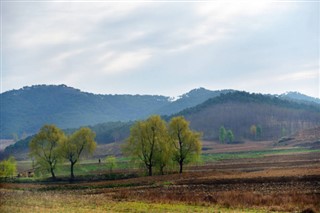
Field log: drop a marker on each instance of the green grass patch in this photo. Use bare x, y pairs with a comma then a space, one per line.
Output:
252, 154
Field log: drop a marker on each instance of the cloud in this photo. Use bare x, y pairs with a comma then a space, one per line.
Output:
162, 47
115, 63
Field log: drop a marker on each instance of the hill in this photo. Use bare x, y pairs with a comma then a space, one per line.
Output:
190, 99
298, 97
238, 111
309, 138
25, 110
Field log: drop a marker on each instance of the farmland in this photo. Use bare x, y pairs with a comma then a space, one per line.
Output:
257, 180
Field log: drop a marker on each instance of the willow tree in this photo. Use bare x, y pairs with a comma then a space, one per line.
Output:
45, 147
146, 142
79, 143
186, 143
8, 168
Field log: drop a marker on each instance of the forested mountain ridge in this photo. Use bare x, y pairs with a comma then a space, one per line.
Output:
190, 99
27, 109
24, 111
298, 97
238, 111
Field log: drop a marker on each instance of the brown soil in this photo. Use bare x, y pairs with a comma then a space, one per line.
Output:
277, 183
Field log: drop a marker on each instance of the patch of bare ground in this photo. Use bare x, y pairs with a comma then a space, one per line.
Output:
297, 160
216, 147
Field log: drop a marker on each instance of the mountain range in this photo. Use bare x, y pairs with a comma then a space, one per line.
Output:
25, 110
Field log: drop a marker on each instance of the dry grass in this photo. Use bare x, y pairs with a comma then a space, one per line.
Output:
273, 187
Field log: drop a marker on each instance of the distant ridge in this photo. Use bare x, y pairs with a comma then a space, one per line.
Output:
238, 111
296, 96
25, 110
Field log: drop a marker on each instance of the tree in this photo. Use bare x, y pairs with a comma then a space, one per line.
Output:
186, 143
253, 131
230, 136
259, 132
164, 152
44, 147
146, 140
8, 168
111, 162
222, 134
79, 143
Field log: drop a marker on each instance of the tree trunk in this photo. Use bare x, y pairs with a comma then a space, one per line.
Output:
181, 165
150, 170
71, 170
52, 173
162, 170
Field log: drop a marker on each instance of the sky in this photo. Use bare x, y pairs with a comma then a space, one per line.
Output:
164, 48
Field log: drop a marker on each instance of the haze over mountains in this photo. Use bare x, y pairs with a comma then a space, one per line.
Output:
25, 110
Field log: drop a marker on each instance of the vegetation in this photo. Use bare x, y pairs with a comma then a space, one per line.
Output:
39, 105
8, 168
222, 134
238, 111
70, 108
147, 141
45, 147
155, 144
111, 162
225, 135
186, 143
79, 143
230, 136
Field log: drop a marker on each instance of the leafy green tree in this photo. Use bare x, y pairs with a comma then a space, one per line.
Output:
45, 147
8, 168
111, 162
164, 152
146, 140
186, 143
259, 132
222, 134
253, 131
79, 143
230, 136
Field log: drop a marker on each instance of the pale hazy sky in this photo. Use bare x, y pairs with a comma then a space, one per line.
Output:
165, 48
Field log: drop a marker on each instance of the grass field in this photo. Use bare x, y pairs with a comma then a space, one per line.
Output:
28, 201
265, 180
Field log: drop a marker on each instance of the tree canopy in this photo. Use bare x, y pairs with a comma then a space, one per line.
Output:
157, 144
45, 147
147, 141
186, 143
8, 168
79, 143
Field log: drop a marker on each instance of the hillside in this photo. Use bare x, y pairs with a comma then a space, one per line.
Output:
190, 99
309, 138
24, 111
238, 111
298, 97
